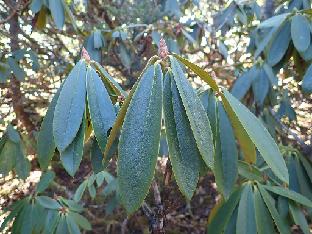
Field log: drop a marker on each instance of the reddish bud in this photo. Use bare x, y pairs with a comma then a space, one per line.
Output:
85, 55
163, 49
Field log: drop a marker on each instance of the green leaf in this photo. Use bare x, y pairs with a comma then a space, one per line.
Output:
304, 183
139, 140
245, 143
16, 207
57, 10
80, 190
72, 155
196, 114
274, 21
70, 107
92, 190
52, 219
98, 39
200, 72
121, 115
45, 180
96, 157
72, 205
48, 202
225, 162
27, 221
80, 220
300, 32
13, 134
260, 87
19, 73
183, 152
45, 143
243, 83
246, 222
289, 194
224, 213
307, 165
22, 166
279, 45
268, 200
8, 157
269, 72
100, 106
263, 218
107, 79
299, 218
260, 137
249, 171
62, 226
307, 80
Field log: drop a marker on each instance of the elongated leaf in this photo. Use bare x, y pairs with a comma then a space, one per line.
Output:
274, 21
48, 202
57, 10
222, 217
80, 220
304, 182
307, 80
8, 157
100, 106
196, 114
110, 80
279, 45
22, 166
139, 140
260, 137
45, 180
183, 152
250, 172
245, 143
18, 72
307, 165
96, 157
15, 208
72, 225
260, 87
45, 143
299, 218
13, 134
300, 32
121, 115
293, 177
263, 218
70, 107
80, 190
246, 211
200, 72
51, 221
72, 155
226, 154
289, 194
268, 200
62, 226
243, 83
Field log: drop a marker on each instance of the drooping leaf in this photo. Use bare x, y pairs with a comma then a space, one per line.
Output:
80, 190
100, 106
263, 218
8, 157
183, 152
289, 194
96, 157
222, 217
80, 220
246, 222
57, 10
304, 182
72, 155
22, 166
268, 200
51, 221
200, 72
279, 45
243, 83
260, 87
70, 107
259, 136
196, 114
299, 218
300, 32
45, 180
72, 225
245, 143
139, 140
250, 172
98, 39
48, 202
45, 142
12, 134
225, 162
120, 117
307, 80
18, 72
62, 226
